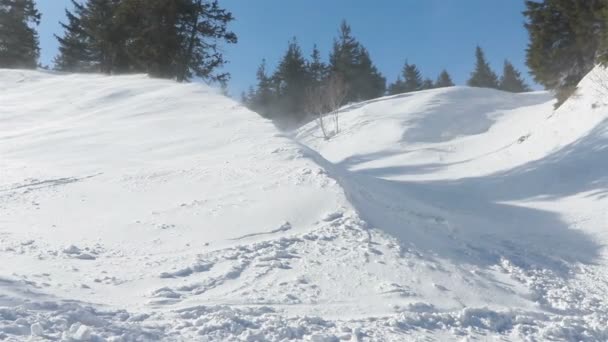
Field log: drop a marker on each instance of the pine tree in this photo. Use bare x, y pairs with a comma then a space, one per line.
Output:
511, 80
19, 45
343, 58
154, 29
177, 39
206, 26
602, 23
93, 39
245, 96
74, 47
427, 84
248, 97
263, 98
108, 38
565, 40
293, 78
352, 61
412, 81
317, 69
412, 78
483, 76
369, 83
444, 80
396, 88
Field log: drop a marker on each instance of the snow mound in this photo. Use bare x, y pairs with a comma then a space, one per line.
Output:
143, 194
114, 160
491, 185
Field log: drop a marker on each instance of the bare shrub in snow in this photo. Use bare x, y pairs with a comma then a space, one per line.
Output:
316, 105
327, 99
337, 90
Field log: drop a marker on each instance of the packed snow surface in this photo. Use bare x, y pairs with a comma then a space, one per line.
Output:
134, 209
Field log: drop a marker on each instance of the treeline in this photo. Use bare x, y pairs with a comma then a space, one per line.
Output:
483, 77
174, 39
180, 39
284, 95
281, 95
568, 38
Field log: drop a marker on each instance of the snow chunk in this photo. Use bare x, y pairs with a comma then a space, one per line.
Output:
37, 329
85, 256
82, 334
72, 250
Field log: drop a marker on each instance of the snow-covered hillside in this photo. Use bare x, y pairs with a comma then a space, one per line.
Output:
140, 209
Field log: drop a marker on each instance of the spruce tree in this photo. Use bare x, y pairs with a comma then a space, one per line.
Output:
412, 78
317, 69
293, 78
19, 46
482, 76
153, 29
93, 39
396, 88
263, 98
177, 39
249, 96
369, 83
74, 47
343, 58
108, 38
444, 80
353, 62
602, 23
245, 97
412, 81
205, 27
565, 41
511, 80
427, 84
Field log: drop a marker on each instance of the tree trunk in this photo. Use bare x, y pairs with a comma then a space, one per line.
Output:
181, 77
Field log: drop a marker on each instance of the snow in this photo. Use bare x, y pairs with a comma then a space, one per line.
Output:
37, 329
141, 209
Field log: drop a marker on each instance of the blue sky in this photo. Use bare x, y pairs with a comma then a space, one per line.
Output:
433, 34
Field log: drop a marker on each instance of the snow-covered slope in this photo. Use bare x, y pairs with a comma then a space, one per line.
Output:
505, 194
133, 208
139, 194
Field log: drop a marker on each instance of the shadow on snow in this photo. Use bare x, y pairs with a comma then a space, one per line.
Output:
467, 220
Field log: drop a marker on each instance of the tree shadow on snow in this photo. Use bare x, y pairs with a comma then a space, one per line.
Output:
468, 220
358, 162
434, 125
358, 105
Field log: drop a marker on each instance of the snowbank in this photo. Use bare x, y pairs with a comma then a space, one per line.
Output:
481, 181
133, 208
